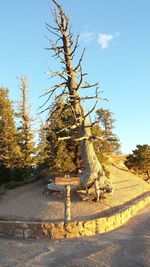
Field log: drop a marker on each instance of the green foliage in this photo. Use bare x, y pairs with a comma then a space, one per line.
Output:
25, 133
139, 160
64, 159
102, 157
9, 149
58, 156
16, 145
111, 142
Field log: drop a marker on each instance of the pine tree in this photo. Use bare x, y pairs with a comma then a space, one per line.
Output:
9, 149
25, 136
42, 151
111, 142
58, 156
139, 160
96, 130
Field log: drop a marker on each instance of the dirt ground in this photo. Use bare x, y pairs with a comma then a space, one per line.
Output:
29, 203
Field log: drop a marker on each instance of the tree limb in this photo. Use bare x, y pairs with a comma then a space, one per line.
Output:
80, 60
70, 127
89, 112
48, 27
87, 85
75, 47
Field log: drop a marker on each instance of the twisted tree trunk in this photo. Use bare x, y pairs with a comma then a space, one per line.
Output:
73, 76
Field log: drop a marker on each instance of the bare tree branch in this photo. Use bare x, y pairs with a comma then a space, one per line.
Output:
70, 127
75, 47
59, 6
81, 138
89, 112
47, 99
87, 85
74, 138
48, 27
60, 110
81, 78
92, 124
80, 60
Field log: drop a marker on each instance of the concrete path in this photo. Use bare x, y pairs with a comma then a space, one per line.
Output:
128, 246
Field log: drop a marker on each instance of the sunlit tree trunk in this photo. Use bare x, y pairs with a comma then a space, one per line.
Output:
64, 49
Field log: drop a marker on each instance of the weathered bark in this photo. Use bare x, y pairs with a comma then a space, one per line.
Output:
93, 168
148, 175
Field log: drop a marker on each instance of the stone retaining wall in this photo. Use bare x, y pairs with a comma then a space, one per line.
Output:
58, 230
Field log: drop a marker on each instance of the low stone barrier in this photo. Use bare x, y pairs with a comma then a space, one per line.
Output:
59, 230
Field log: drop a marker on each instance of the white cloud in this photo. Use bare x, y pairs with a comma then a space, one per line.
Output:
104, 39
87, 36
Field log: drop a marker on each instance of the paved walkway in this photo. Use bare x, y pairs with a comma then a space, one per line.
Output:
128, 246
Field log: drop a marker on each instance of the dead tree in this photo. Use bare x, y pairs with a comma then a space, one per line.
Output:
64, 48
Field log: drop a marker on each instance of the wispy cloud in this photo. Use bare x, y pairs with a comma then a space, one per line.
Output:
104, 39
86, 36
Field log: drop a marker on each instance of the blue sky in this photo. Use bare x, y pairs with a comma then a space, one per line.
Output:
116, 34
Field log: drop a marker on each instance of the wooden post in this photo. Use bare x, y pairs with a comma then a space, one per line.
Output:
67, 206
67, 181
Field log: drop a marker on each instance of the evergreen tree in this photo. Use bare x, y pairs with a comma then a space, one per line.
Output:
42, 151
96, 130
139, 160
25, 136
59, 156
111, 142
9, 150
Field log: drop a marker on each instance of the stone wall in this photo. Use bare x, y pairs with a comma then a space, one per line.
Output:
59, 230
